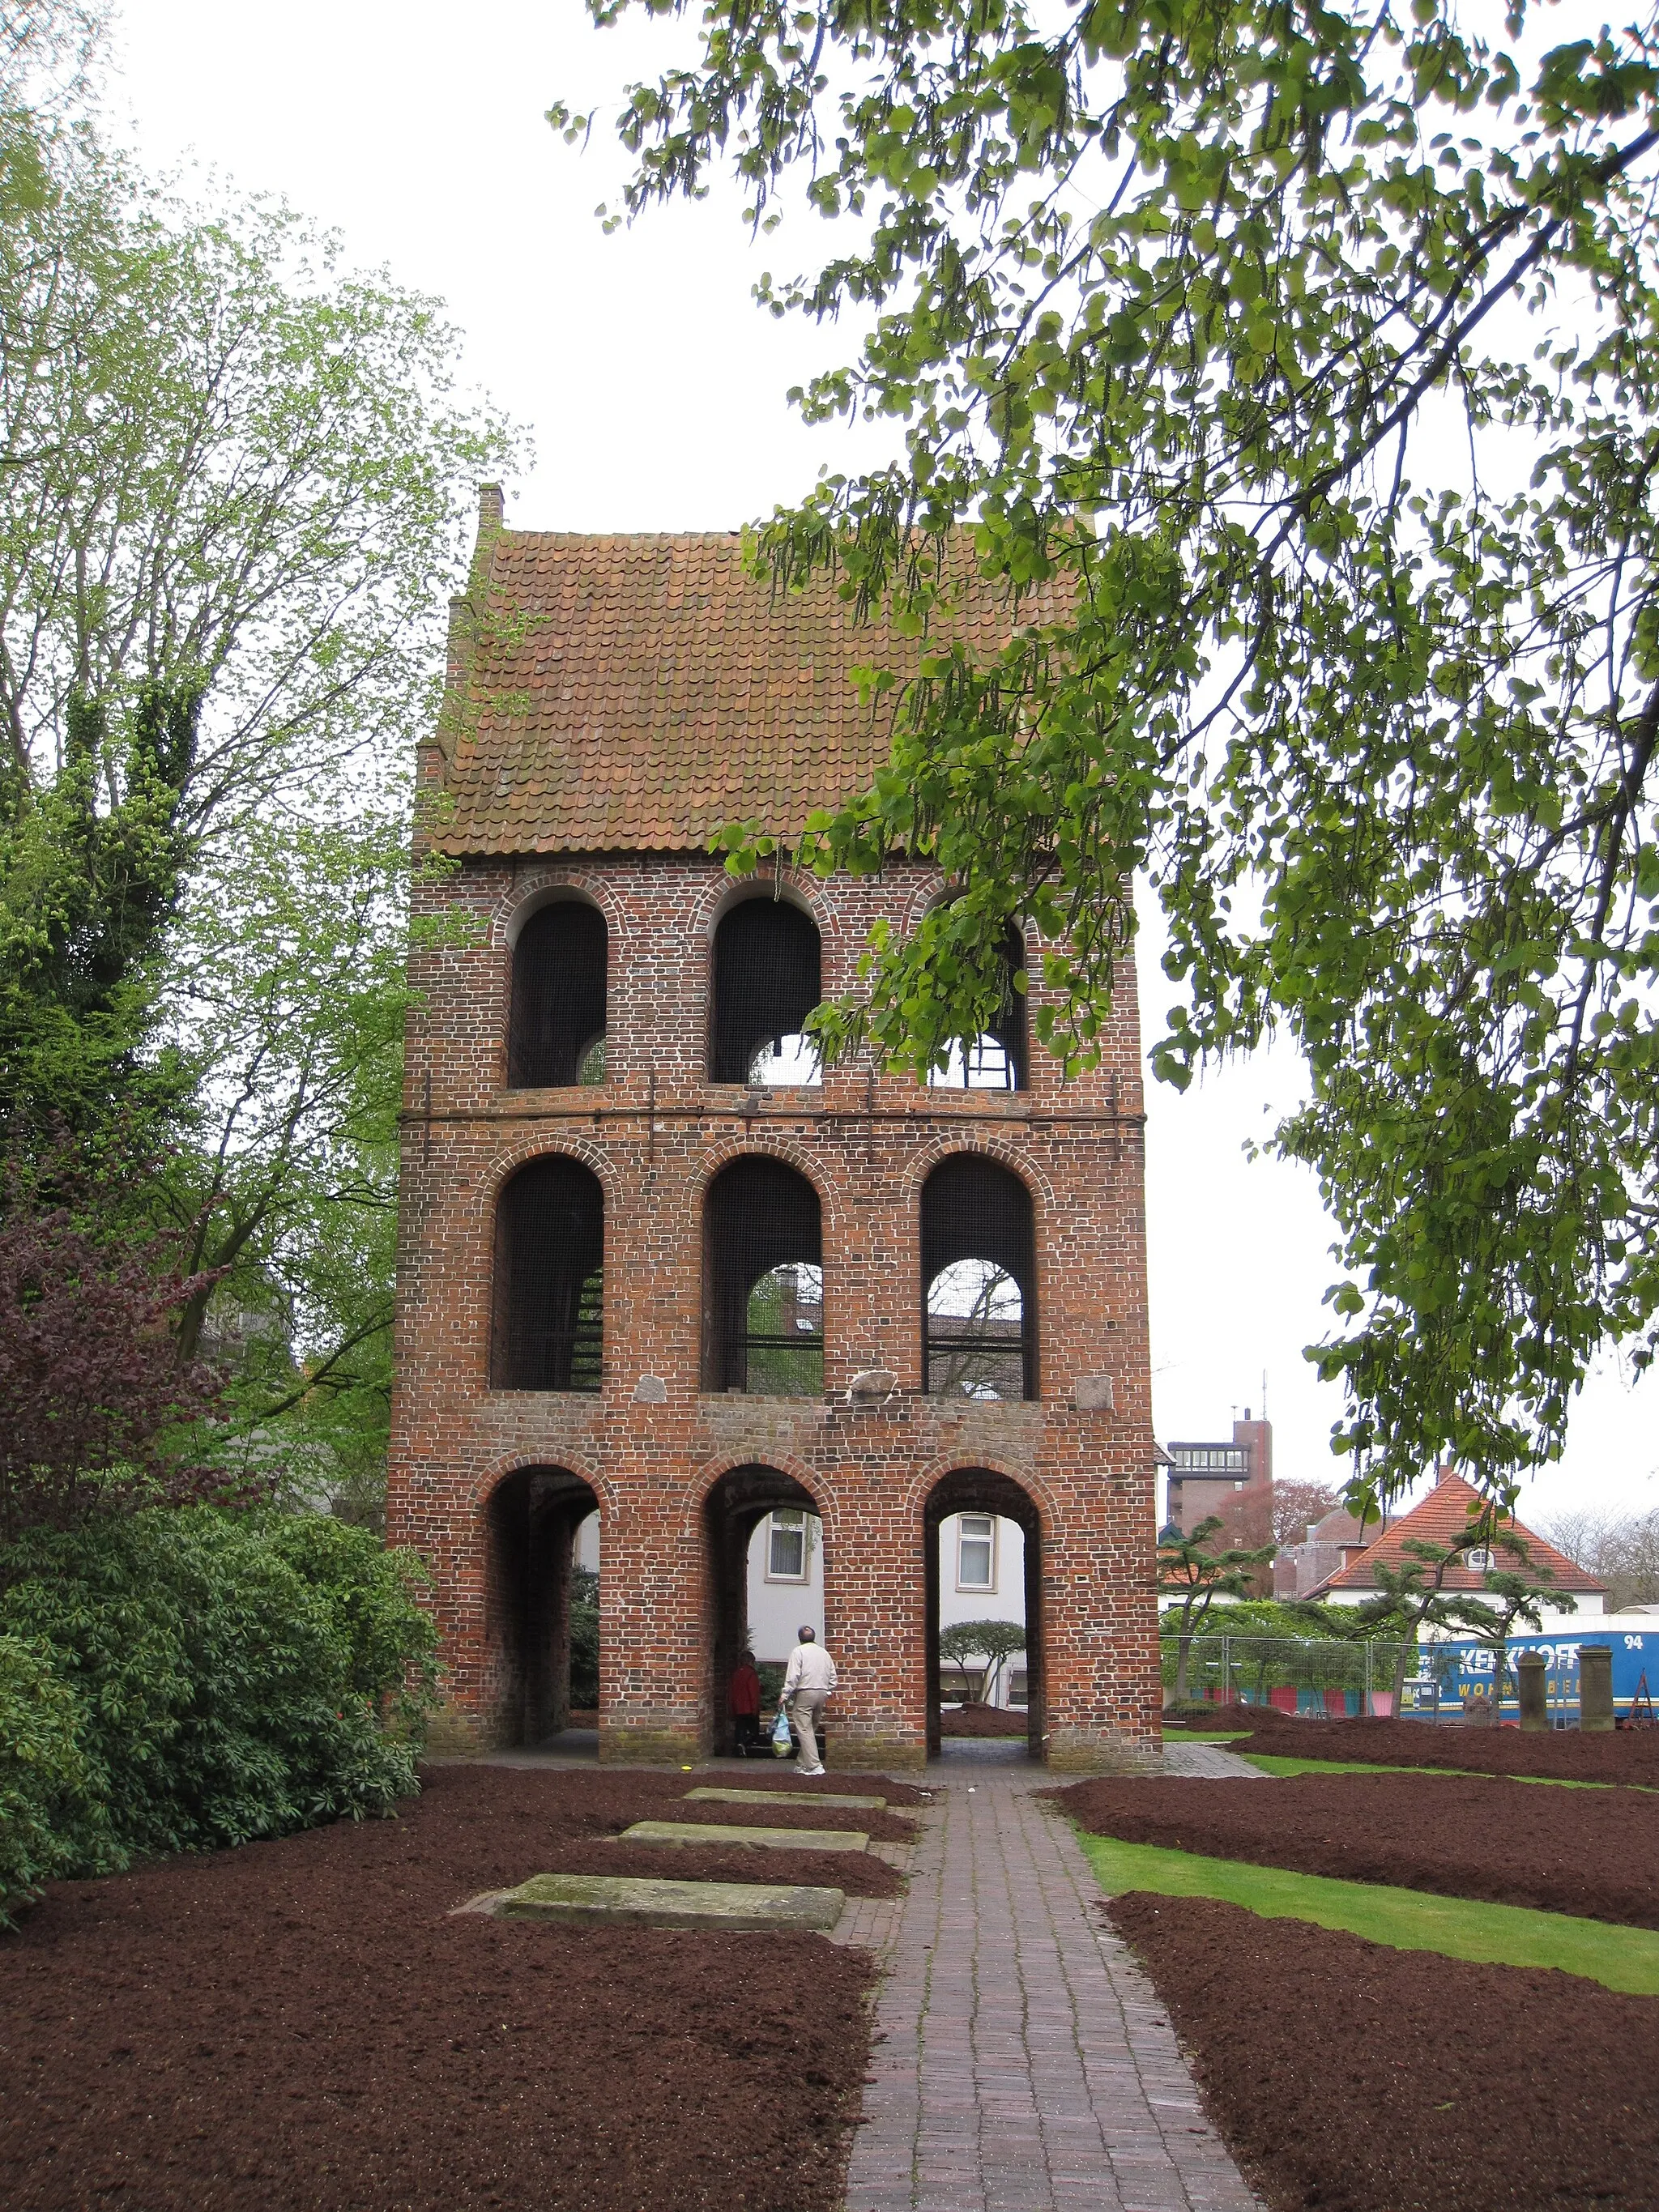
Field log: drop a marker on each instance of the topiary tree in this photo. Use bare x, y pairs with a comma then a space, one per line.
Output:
994, 1641
1512, 1593
1199, 1576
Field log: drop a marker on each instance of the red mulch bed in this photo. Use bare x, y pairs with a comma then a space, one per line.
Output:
1345, 2077
982, 1720
1589, 1851
1624, 1755
307, 2024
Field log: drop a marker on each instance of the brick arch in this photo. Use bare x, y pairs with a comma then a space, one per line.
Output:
544, 1144
530, 892
928, 892
811, 1481
810, 1168
1003, 1149
722, 892
484, 1486
933, 890
922, 1484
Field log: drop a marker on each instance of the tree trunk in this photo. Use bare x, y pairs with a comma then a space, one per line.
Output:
1183, 1645
1401, 1657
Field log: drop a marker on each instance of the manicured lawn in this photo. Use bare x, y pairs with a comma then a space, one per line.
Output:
1271, 1763
1623, 1959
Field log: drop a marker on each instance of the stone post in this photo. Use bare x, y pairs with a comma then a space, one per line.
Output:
1595, 1687
1530, 1672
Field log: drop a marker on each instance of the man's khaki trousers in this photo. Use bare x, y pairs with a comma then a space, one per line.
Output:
804, 1709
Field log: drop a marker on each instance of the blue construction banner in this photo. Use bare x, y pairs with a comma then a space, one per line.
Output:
1449, 1673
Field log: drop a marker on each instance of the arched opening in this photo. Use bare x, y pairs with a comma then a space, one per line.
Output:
555, 1032
998, 1059
767, 971
765, 1579
535, 1596
548, 1322
762, 1281
979, 1282
976, 1572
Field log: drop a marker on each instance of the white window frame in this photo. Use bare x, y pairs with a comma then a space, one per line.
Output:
986, 1589
787, 1516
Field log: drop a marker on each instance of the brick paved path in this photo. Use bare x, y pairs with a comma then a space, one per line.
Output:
1210, 1760
1027, 2065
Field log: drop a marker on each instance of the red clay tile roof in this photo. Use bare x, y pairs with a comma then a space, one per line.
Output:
1444, 1515
633, 693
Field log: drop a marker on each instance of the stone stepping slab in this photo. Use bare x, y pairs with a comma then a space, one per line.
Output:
652, 1903
784, 1797
776, 1839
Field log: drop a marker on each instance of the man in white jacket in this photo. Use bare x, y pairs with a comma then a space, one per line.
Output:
807, 1681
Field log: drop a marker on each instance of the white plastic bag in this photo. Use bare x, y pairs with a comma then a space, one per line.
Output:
783, 1742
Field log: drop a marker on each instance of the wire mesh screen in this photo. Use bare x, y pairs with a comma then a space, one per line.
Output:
996, 1060
556, 1032
550, 1260
979, 1278
764, 1252
767, 981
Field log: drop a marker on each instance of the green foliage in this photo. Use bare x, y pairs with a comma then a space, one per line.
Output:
1406, 1919
992, 1641
584, 1637
1296, 368
1194, 1575
239, 483
87, 882
43, 1774
233, 1675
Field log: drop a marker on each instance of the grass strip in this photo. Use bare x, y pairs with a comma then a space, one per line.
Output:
1623, 1959
1207, 1736
1274, 1763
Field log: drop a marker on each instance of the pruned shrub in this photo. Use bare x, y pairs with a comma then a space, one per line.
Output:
234, 1675
43, 1773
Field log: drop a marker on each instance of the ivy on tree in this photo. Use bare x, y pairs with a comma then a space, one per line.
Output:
1294, 367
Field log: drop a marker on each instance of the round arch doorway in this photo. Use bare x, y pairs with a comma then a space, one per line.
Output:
532, 1521
732, 1511
977, 1490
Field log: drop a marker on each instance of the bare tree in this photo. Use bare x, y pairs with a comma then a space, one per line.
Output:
1297, 1503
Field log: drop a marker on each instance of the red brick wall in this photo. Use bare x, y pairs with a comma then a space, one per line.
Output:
654, 1133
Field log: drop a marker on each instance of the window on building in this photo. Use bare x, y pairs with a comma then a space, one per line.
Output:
1019, 1687
764, 1277
549, 1261
556, 1033
979, 1338
995, 1060
786, 1546
768, 968
976, 1552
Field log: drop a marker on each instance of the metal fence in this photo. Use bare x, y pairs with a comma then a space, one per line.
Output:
1295, 1674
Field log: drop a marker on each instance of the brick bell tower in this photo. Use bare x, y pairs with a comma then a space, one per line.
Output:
653, 1264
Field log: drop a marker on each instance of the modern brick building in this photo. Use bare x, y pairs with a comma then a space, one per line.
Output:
652, 1264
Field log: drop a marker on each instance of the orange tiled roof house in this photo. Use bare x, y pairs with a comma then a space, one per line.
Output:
1440, 1520
650, 1265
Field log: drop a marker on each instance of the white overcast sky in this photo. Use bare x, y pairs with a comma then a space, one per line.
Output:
655, 393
